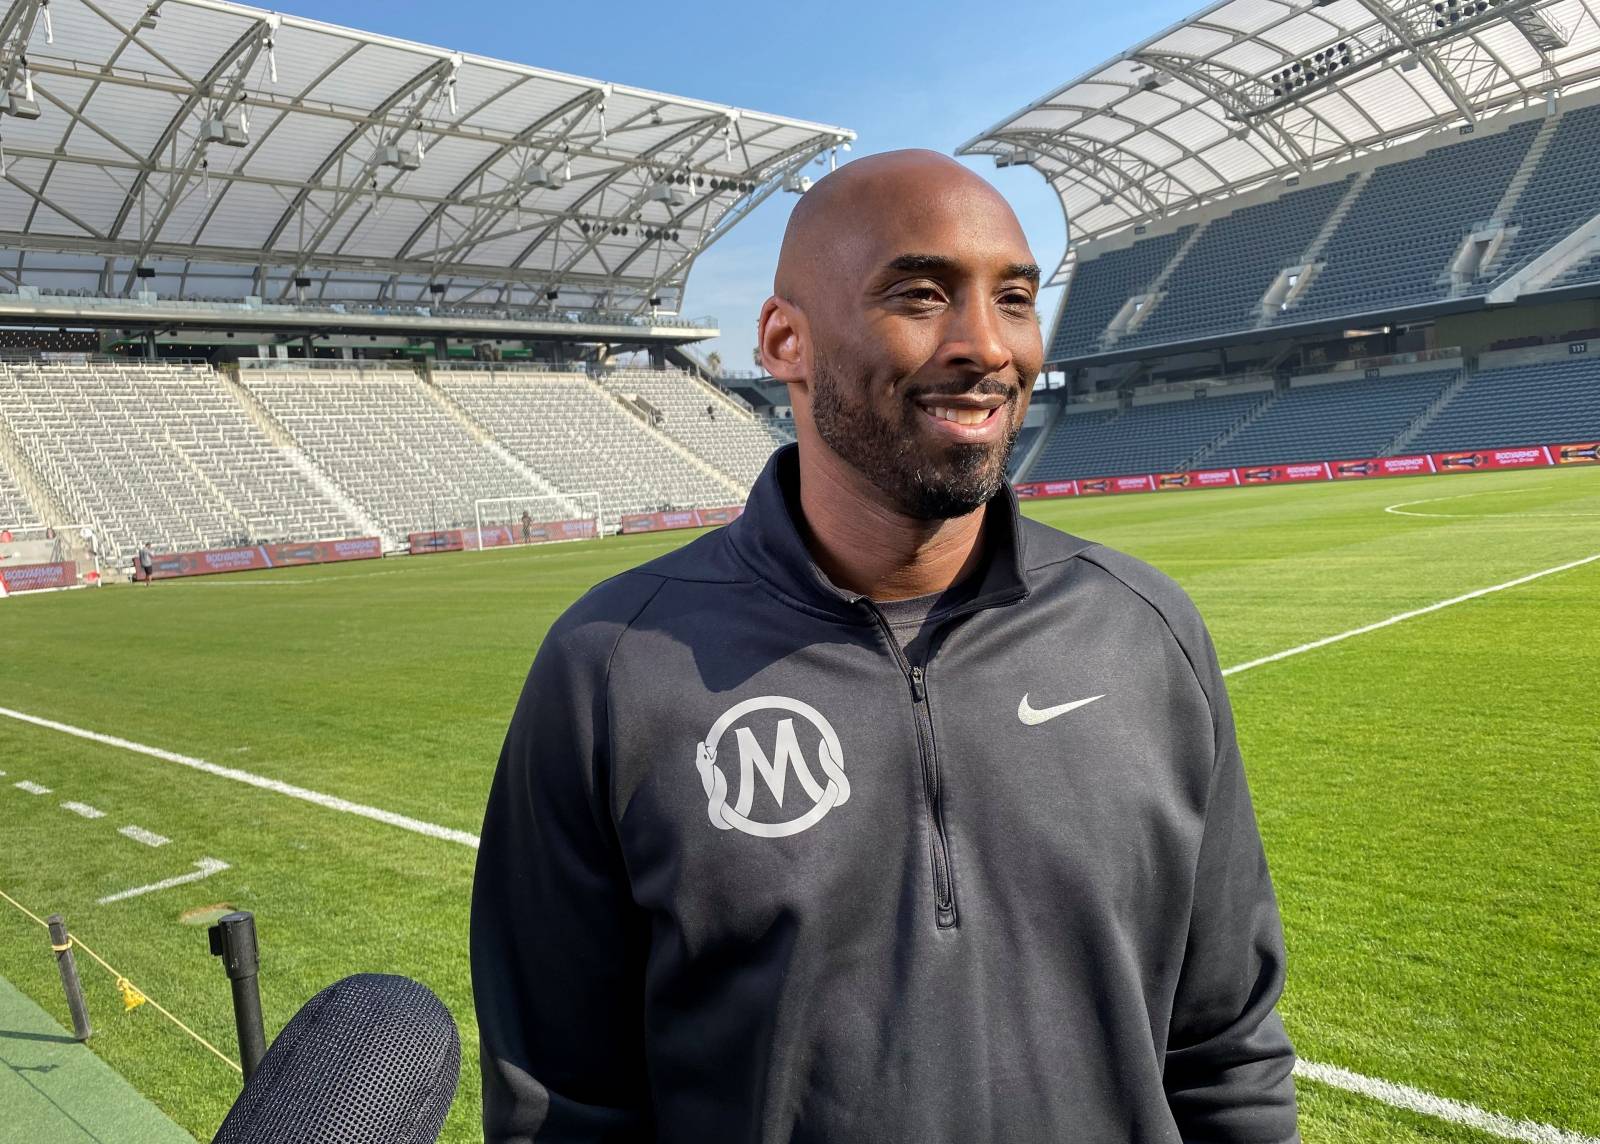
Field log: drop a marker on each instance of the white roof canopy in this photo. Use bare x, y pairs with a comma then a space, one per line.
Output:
230, 150
1250, 90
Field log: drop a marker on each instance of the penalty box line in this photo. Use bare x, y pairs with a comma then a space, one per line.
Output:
1386, 1092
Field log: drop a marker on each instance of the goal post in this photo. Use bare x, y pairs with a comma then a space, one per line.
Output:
533, 519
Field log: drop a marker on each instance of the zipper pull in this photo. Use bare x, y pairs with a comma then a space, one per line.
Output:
917, 692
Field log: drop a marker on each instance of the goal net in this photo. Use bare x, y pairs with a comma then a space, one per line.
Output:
532, 519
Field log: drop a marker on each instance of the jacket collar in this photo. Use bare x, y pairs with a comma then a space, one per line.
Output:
767, 538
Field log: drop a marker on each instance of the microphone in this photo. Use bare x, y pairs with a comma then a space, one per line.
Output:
372, 1059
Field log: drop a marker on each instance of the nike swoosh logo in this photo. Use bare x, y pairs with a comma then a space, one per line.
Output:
1032, 718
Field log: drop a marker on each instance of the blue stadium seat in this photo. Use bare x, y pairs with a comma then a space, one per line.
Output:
1218, 286
1143, 439
1562, 193
1396, 244
1337, 420
1102, 286
1520, 405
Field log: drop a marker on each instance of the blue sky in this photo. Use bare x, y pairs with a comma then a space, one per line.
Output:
930, 75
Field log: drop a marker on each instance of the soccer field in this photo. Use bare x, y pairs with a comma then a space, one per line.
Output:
1428, 789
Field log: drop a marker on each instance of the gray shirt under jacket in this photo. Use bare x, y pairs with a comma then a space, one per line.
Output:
749, 872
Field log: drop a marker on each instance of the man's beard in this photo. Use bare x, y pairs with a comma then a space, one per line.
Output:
920, 481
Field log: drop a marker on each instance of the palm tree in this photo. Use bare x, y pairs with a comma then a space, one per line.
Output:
714, 363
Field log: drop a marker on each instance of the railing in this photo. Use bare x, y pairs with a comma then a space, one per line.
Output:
397, 309
327, 365
520, 365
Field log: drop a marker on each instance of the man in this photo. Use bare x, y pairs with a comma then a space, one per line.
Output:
147, 561
882, 814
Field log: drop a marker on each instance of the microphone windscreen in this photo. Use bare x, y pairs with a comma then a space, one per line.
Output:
372, 1059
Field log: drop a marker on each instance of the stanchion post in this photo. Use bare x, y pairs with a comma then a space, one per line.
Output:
233, 939
61, 944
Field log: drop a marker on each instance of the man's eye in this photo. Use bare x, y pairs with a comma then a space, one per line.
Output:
921, 294
1017, 300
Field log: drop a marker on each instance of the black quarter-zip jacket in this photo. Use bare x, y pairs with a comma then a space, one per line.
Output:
747, 874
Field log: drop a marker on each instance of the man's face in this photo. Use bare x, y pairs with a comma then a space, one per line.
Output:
922, 366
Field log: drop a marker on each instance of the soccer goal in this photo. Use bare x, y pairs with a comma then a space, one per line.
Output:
55, 556
533, 519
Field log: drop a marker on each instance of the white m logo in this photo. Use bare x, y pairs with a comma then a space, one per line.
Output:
787, 755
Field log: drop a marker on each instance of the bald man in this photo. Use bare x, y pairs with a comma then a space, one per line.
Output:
882, 814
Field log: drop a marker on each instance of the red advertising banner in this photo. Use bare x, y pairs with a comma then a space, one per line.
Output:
449, 540
37, 577
1419, 464
1048, 489
1284, 474
210, 561
498, 536
1585, 453
1529, 457
679, 518
501, 535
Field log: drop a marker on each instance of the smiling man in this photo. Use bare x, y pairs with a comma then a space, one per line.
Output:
882, 814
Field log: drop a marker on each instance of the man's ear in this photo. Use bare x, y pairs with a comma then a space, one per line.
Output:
780, 336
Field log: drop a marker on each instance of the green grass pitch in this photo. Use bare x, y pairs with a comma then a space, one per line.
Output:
1428, 792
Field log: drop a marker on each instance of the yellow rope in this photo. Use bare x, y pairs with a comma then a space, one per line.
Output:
123, 981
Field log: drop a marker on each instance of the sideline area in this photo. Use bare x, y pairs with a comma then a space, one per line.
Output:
55, 1089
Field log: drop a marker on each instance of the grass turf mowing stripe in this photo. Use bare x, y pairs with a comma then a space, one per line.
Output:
1411, 615
1415, 1100
331, 802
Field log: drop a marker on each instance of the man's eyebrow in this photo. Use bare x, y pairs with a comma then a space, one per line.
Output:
922, 263
941, 264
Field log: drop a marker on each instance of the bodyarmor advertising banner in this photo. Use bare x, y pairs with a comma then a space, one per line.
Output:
37, 577
210, 561
1417, 464
679, 518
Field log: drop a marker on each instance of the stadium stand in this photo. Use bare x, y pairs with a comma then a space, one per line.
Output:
160, 454
1102, 286
1519, 405
702, 419
1141, 439
1562, 192
388, 445
1332, 420
581, 439
1219, 285
1586, 271
1395, 246
14, 507
1024, 442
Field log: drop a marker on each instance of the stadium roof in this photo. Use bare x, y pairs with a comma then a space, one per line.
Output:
231, 150
1251, 90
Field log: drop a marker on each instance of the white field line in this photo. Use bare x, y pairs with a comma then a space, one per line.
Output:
140, 834
1442, 1108
328, 801
295, 581
31, 788
1400, 507
203, 869
1411, 615
83, 809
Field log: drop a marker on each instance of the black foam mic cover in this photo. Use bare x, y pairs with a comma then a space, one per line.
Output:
372, 1059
